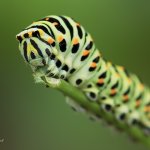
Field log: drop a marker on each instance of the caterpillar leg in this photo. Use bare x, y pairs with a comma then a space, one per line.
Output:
42, 73
78, 108
119, 113
51, 71
74, 105
113, 113
62, 74
37, 76
56, 71
106, 104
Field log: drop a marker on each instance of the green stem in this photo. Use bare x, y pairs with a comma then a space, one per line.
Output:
78, 96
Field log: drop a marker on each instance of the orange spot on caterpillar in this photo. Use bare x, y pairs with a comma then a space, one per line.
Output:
55, 23
129, 80
85, 52
125, 97
121, 67
50, 40
113, 91
60, 38
147, 109
101, 81
30, 34
75, 41
46, 19
117, 75
78, 24
138, 102
93, 65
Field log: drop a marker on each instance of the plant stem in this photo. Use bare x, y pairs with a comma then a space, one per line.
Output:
78, 96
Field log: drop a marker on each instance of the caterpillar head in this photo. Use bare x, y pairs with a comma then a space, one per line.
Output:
36, 45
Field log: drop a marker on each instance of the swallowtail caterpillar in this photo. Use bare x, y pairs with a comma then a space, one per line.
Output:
60, 49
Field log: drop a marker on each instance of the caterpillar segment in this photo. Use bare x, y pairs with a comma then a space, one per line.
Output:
64, 50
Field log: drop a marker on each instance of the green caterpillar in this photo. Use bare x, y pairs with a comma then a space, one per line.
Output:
63, 50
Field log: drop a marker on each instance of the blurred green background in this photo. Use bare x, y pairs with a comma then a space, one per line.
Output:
33, 117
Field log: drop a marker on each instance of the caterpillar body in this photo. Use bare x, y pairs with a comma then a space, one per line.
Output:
67, 52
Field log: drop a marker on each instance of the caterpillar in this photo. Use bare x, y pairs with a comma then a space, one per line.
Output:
65, 51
